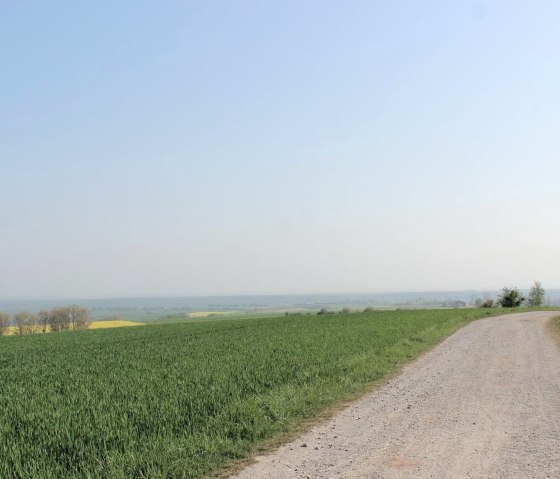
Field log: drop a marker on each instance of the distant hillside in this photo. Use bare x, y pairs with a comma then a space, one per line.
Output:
153, 308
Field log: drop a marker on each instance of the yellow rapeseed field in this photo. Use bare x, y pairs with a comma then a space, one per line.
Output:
113, 324
13, 330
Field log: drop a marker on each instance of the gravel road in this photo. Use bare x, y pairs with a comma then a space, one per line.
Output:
483, 404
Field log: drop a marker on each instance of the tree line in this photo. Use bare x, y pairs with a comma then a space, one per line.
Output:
61, 318
513, 298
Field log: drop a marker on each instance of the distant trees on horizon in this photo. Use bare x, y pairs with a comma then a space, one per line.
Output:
513, 298
536, 295
60, 318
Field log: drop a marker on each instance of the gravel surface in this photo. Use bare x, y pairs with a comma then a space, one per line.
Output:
483, 404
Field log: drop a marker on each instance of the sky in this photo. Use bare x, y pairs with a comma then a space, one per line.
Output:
245, 147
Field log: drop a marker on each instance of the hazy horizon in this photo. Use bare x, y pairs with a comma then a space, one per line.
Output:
154, 308
210, 149
479, 291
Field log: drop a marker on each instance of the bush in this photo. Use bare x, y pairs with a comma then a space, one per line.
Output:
487, 303
510, 298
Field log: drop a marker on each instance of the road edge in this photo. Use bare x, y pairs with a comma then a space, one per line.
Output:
553, 327
328, 413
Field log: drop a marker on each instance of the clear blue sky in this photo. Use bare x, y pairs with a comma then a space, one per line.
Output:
205, 147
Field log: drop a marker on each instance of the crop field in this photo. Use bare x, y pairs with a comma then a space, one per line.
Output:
13, 330
182, 400
117, 323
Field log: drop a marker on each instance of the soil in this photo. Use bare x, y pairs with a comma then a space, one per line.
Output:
485, 403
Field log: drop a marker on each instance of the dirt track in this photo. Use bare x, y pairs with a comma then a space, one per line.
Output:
483, 404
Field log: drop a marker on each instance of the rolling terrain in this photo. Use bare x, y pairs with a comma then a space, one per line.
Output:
185, 399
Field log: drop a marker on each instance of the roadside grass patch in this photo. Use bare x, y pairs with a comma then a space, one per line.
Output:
184, 400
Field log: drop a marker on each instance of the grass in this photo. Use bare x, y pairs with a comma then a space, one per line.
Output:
183, 400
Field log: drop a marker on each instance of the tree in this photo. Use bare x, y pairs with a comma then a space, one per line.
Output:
22, 319
510, 298
44, 317
79, 317
30, 324
59, 319
4, 322
536, 295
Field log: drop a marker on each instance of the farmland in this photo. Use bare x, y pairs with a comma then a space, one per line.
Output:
182, 400
117, 323
13, 330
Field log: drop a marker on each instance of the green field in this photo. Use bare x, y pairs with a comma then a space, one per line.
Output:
182, 400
